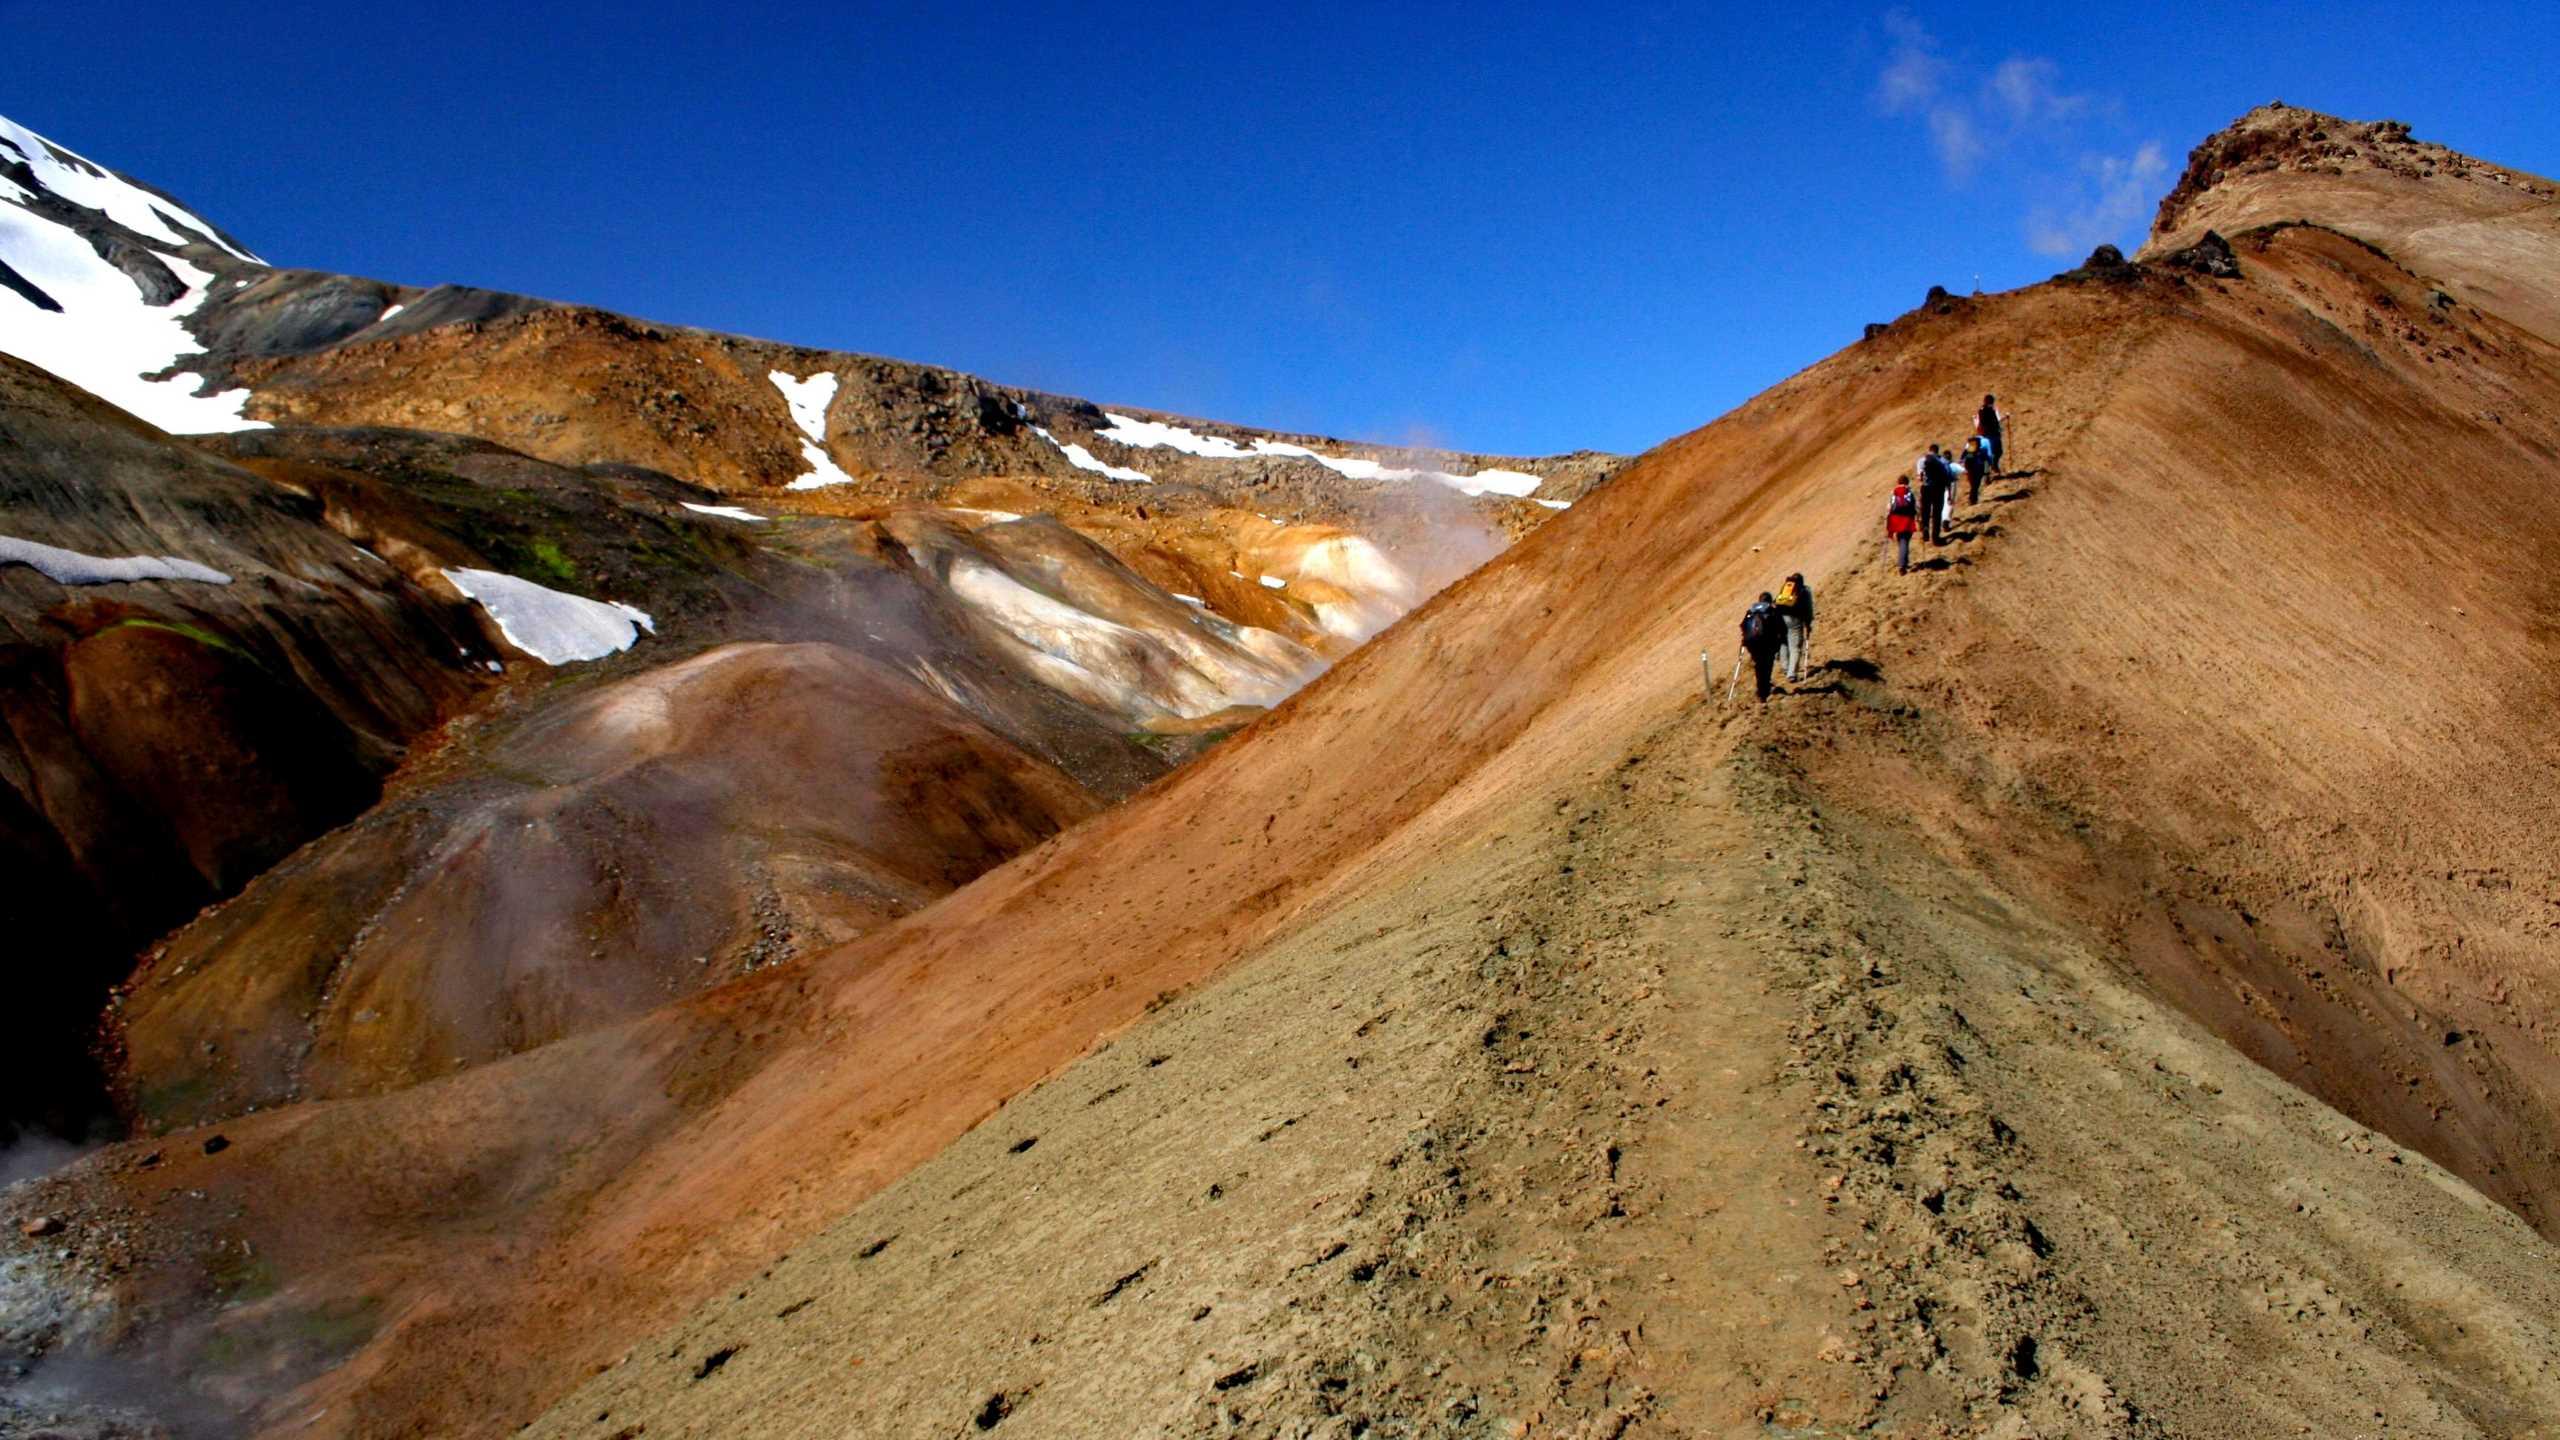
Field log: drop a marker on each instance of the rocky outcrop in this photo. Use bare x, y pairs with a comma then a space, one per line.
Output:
2210, 255
2479, 230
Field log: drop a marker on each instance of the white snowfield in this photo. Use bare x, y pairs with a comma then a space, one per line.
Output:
1158, 435
552, 626
725, 512
89, 185
808, 401
70, 567
104, 339
1083, 459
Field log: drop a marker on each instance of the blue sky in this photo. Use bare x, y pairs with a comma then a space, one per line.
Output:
1502, 228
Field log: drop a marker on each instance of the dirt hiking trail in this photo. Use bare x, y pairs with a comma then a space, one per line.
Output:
1489, 1151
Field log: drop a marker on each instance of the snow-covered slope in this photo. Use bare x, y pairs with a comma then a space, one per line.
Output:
95, 285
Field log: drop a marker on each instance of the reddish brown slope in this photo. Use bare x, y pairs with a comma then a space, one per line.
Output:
2181, 524
645, 840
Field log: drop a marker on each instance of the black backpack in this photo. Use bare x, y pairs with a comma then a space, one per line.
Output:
1936, 471
1903, 504
1759, 625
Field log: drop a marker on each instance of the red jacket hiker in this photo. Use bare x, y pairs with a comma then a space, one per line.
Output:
1901, 517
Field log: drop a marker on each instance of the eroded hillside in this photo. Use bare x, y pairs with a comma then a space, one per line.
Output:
2132, 950
353, 595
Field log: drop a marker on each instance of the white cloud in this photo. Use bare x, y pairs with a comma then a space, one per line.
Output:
1917, 81
2018, 121
1959, 141
2113, 193
1912, 76
2028, 91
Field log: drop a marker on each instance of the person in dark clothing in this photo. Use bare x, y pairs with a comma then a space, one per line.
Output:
1993, 427
1901, 517
1977, 464
1795, 605
1764, 631
1937, 479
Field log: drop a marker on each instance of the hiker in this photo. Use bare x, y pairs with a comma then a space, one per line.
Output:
1993, 427
1977, 464
1937, 481
1764, 630
1795, 604
1901, 517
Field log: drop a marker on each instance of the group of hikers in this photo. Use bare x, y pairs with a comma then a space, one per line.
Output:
1934, 509
1778, 629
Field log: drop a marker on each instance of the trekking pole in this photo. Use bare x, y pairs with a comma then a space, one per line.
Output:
1735, 682
1706, 676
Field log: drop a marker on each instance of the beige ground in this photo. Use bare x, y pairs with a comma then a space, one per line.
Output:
1672, 1103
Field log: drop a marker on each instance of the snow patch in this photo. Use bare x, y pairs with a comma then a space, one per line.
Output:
725, 512
1552, 504
104, 339
808, 401
385, 317
551, 625
1083, 459
88, 184
1272, 582
70, 567
823, 470
1517, 484
1158, 435
1155, 435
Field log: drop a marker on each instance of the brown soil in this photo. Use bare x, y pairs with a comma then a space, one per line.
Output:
786, 798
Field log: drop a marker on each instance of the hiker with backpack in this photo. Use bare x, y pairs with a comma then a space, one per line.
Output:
1937, 484
1764, 632
1795, 606
1901, 517
1977, 464
1993, 427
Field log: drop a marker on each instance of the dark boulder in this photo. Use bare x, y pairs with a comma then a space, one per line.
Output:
2208, 256
1874, 329
2105, 257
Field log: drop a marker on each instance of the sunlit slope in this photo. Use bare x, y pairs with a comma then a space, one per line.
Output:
2267, 633
1920, 1136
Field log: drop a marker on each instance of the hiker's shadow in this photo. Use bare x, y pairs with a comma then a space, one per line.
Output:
1941, 562
1831, 688
2014, 496
1852, 669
